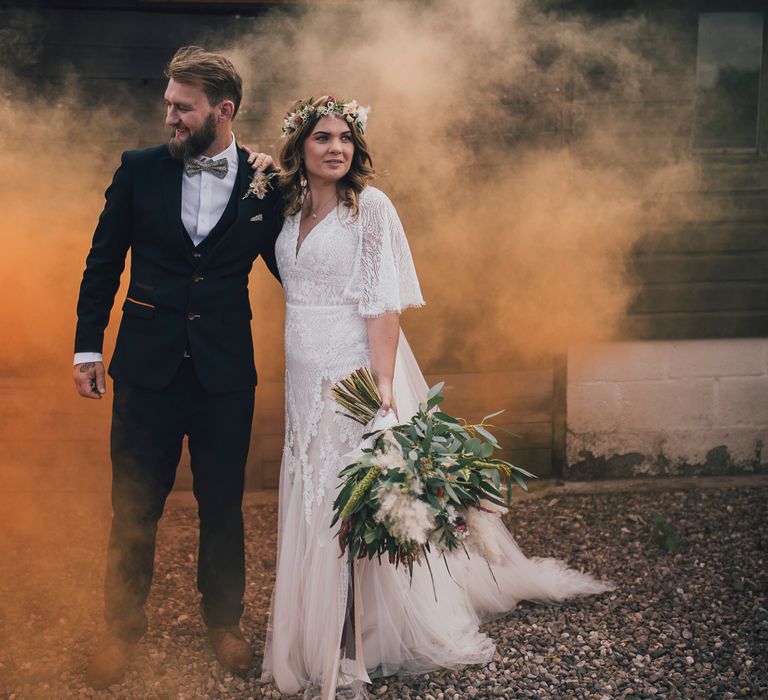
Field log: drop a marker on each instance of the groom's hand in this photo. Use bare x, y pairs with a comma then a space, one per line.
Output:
89, 379
261, 161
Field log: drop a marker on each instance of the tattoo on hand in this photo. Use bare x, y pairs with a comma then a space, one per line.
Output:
87, 367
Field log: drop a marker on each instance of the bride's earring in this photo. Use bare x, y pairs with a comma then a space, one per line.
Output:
302, 182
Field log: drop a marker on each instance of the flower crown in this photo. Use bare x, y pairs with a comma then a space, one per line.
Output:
351, 111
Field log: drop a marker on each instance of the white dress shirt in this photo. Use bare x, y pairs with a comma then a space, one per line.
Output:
204, 197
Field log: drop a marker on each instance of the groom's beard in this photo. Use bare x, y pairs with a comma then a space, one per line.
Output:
196, 143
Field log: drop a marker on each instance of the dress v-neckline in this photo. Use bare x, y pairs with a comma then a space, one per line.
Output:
299, 247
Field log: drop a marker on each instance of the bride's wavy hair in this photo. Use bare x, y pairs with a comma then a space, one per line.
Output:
292, 177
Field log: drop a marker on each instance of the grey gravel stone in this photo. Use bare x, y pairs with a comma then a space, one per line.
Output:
693, 624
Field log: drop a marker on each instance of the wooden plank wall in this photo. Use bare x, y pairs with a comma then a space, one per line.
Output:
702, 274
709, 279
705, 273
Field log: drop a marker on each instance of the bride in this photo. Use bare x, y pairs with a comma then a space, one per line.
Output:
347, 274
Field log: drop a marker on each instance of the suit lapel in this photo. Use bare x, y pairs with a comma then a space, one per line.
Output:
171, 177
243, 179
238, 190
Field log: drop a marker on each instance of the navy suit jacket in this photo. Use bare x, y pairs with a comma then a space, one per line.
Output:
180, 297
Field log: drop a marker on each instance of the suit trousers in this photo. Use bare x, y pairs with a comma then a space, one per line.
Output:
148, 428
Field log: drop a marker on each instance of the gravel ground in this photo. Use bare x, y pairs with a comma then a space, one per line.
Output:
691, 624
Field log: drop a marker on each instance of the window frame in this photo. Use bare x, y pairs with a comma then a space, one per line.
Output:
762, 114
760, 149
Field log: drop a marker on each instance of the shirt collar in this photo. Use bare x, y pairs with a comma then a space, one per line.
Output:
230, 153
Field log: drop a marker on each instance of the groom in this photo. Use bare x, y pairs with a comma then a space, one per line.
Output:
183, 361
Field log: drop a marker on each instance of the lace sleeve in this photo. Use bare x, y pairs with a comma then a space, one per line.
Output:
384, 277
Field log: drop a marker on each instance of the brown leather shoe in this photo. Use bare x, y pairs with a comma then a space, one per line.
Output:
109, 661
232, 650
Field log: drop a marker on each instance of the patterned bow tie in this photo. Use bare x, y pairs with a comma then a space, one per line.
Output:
218, 168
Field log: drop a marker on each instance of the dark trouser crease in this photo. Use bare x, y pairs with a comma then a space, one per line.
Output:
148, 428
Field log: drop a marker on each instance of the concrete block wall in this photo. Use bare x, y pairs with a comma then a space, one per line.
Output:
667, 408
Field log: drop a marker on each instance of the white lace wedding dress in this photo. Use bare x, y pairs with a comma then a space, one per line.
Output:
349, 269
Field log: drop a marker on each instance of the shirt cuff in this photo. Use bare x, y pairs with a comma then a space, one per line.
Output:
81, 357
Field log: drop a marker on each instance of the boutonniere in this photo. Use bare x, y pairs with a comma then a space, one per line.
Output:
261, 183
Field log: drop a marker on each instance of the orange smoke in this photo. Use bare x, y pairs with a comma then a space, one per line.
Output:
520, 211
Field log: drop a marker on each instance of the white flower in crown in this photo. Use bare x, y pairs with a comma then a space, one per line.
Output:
354, 112
295, 119
327, 108
351, 111
290, 122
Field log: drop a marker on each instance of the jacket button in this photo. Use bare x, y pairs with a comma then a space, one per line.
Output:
192, 317
197, 278
197, 255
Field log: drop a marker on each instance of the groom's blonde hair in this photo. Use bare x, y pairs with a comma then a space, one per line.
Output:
213, 72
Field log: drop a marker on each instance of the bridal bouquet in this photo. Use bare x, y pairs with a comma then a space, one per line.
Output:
429, 483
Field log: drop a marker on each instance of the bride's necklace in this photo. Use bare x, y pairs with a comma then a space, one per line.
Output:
315, 211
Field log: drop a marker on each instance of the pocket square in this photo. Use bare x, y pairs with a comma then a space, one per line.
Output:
258, 217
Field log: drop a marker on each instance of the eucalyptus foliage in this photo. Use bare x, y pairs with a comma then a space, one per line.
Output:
435, 466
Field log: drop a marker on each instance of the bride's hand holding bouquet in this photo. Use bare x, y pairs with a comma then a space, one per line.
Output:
431, 483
